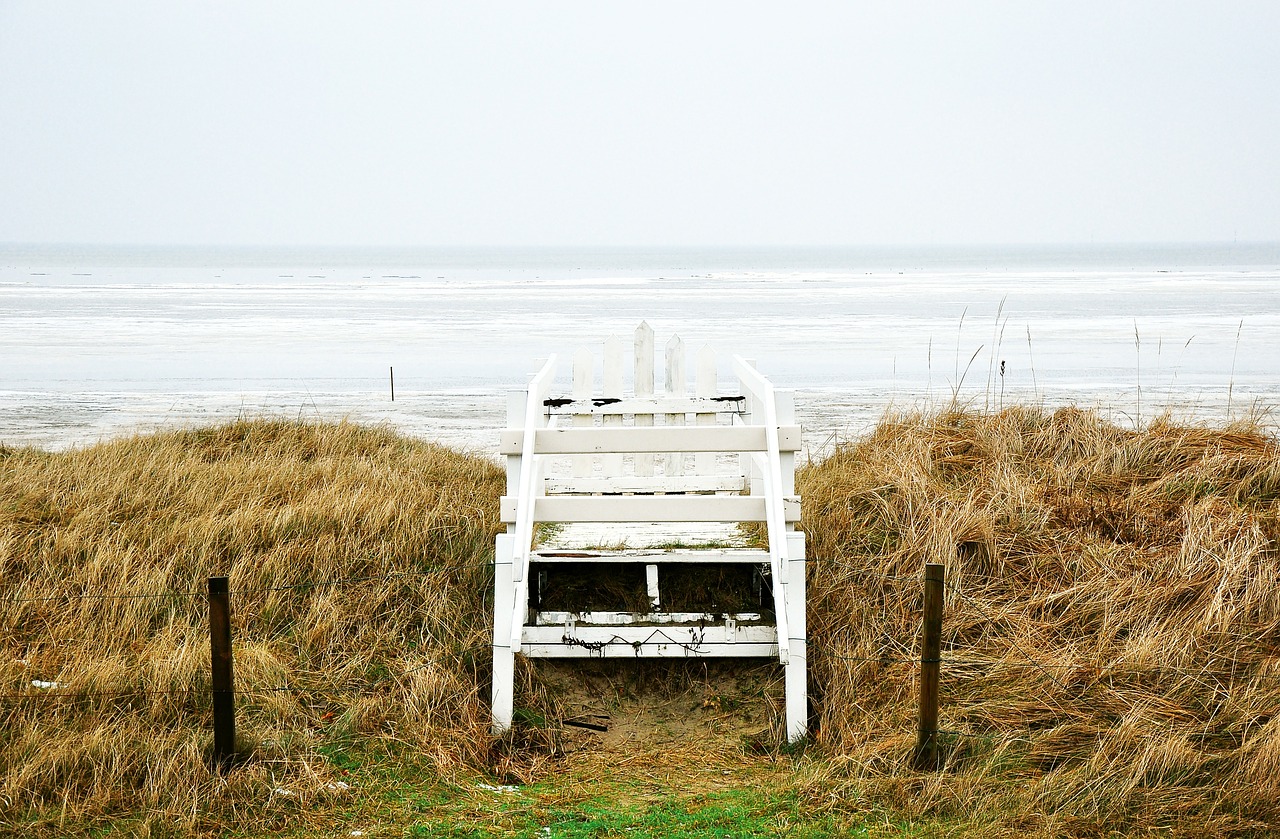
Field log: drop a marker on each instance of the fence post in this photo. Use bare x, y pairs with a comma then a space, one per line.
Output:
926, 756
393, 383
224, 698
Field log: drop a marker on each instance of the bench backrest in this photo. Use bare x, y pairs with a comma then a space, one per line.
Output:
604, 438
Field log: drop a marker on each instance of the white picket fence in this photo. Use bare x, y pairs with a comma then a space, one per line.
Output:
692, 463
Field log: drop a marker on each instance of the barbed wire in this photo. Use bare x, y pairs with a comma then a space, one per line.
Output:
950, 664
1013, 642
55, 598
56, 693
1102, 672
331, 689
63, 692
693, 647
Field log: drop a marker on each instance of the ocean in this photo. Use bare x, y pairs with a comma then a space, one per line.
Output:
97, 342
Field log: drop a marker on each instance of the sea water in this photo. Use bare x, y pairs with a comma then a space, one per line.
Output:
99, 342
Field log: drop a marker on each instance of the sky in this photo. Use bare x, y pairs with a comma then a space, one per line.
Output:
622, 123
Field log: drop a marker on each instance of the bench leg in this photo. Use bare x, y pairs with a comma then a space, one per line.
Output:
797, 668
503, 688
797, 693
504, 598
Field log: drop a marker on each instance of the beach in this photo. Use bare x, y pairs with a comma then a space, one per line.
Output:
103, 342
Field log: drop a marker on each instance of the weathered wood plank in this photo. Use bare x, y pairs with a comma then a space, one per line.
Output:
643, 388
583, 364
749, 416
530, 473
612, 389
738, 640
654, 649
692, 438
600, 406
786, 413
705, 389
649, 508
651, 586
516, 402
743, 556
674, 461
797, 680
647, 484
587, 619
502, 694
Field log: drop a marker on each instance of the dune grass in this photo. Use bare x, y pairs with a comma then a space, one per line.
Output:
277, 506
1111, 638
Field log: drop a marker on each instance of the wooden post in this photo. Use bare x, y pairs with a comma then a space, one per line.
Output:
926, 756
583, 381
643, 387
612, 389
224, 700
393, 383
706, 388
504, 601
796, 676
675, 387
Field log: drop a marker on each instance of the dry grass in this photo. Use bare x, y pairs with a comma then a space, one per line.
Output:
1140, 569
272, 505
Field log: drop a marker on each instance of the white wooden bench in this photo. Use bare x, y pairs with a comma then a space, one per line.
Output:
688, 468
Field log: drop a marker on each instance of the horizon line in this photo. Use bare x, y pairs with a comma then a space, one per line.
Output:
15, 244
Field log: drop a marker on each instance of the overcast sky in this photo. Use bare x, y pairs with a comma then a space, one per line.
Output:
594, 123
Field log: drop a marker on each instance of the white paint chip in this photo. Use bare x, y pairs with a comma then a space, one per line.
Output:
502, 789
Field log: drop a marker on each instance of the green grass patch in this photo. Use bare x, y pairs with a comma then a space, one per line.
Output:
396, 794
738, 812
634, 808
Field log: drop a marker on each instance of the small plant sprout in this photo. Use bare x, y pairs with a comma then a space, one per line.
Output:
1002, 384
997, 337
1035, 386
1137, 346
1231, 383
